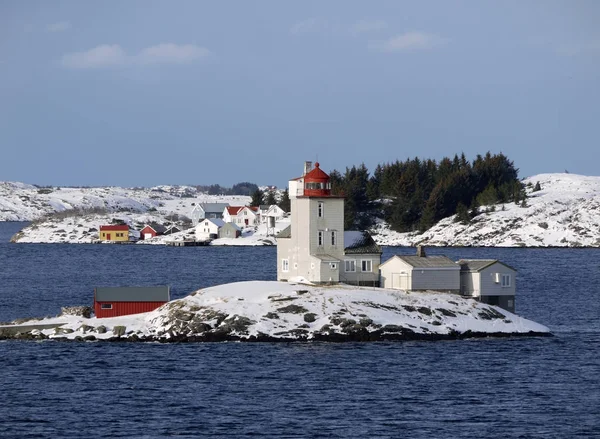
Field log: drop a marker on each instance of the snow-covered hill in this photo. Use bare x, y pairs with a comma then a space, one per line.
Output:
270, 311
564, 213
24, 202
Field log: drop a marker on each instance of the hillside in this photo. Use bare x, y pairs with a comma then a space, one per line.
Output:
272, 311
564, 213
24, 202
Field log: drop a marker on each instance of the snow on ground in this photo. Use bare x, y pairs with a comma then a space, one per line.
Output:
23, 202
290, 310
565, 213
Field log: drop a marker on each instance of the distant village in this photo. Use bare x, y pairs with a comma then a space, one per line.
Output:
209, 220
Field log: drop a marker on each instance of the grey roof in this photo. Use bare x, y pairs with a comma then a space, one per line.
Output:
231, 226
132, 294
214, 207
479, 264
285, 233
360, 243
428, 261
158, 228
216, 221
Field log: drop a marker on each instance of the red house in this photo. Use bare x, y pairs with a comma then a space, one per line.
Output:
152, 230
122, 301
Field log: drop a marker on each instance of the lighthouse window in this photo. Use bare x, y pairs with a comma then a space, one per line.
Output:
320, 238
320, 209
333, 239
285, 265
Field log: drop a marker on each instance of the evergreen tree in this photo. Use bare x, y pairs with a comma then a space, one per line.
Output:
285, 203
462, 214
270, 198
257, 198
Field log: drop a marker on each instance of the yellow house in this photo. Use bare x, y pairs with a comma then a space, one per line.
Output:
114, 233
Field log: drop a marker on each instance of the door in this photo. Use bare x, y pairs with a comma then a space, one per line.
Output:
108, 236
246, 221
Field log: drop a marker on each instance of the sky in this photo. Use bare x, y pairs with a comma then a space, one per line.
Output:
141, 93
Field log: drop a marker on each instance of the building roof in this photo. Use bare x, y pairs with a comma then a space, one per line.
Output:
214, 207
233, 210
285, 233
475, 265
132, 294
359, 242
216, 221
158, 228
426, 261
232, 226
119, 227
316, 174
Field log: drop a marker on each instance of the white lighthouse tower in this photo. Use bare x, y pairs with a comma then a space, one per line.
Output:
313, 245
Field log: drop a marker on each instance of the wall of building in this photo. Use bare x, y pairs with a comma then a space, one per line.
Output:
359, 277
439, 279
489, 286
124, 308
396, 274
115, 235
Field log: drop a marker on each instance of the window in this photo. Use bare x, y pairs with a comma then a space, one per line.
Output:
106, 306
285, 265
333, 265
366, 265
333, 239
320, 239
350, 266
505, 280
320, 209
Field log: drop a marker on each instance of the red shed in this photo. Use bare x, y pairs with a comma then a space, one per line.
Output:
152, 230
121, 301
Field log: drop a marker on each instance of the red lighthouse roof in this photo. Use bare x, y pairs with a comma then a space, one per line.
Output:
316, 183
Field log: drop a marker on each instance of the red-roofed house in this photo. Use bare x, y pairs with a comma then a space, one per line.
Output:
117, 232
241, 215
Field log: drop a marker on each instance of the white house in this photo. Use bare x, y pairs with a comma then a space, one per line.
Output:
241, 216
207, 210
273, 211
208, 229
420, 273
489, 281
313, 246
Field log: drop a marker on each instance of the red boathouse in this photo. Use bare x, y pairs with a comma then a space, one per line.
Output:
122, 301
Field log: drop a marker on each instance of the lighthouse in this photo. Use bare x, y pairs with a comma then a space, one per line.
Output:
313, 246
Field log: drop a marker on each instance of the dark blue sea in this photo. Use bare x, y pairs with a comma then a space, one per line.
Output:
485, 388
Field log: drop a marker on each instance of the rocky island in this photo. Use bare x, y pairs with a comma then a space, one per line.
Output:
294, 311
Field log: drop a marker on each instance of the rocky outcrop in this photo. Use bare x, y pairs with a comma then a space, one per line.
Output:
275, 311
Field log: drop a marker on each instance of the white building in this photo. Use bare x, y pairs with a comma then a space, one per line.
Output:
420, 272
241, 216
489, 281
208, 229
313, 245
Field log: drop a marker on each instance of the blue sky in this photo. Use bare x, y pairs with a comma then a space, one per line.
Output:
140, 93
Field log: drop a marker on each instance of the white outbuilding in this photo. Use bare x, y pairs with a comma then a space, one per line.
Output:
489, 281
420, 273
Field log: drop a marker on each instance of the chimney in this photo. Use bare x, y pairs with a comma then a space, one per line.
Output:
421, 251
307, 168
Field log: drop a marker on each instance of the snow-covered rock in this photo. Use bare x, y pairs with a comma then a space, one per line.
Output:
564, 213
278, 311
23, 202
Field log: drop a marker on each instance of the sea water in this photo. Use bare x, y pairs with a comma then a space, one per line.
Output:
497, 388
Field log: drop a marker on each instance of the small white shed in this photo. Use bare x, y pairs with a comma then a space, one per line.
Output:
418, 273
208, 229
488, 280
